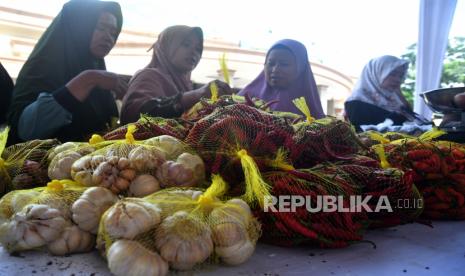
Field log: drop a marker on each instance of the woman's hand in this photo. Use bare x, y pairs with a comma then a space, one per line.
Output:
223, 89
81, 85
122, 86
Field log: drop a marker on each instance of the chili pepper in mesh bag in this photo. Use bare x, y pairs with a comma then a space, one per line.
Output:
148, 127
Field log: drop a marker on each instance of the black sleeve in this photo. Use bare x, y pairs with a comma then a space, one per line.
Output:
6, 91
166, 107
361, 113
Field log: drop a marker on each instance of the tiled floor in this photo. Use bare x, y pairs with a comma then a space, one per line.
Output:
405, 250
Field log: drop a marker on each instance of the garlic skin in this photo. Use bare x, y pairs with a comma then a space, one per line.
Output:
188, 170
14, 202
146, 159
90, 206
130, 258
72, 240
237, 253
143, 185
131, 217
83, 168
172, 146
183, 241
60, 166
33, 227
115, 174
61, 148
230, 224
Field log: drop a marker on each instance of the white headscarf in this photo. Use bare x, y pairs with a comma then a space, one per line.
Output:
368, 88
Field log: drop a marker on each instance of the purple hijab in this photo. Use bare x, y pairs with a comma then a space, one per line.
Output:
304, 85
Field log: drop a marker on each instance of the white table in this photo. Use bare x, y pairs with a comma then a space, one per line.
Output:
404, 250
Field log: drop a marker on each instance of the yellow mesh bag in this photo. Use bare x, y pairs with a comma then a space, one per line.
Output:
182, 228
23, 165
37, 217
138, 168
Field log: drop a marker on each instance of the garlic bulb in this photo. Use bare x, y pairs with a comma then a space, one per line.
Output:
187, 171
14, 202
35, 226
61, 148
60, 166
143, 185
230, 226
131, 217
90, 206
114, 174
183, 240
72, 240
82, 169
130, 258
146, 159
237, 253
172, 146
229, 223
241, 209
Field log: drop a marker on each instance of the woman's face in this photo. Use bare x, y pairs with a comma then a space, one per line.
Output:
188, 54
280, 68
104, 37
394, 79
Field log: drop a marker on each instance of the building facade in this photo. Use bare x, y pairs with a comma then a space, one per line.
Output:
20, 30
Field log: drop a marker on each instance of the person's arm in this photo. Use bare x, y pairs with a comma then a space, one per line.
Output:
51, 111
42, 118
147, 94
361, 113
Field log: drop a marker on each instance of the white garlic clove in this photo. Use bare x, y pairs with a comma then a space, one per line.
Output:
126, 257
143, 185
237, 253
131, 217
90, 206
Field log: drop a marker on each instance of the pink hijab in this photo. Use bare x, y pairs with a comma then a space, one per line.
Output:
159, 78
304, 85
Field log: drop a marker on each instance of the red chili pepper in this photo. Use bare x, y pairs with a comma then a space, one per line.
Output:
458, 196
335, 233
295, 225
458, 154
433, 214
419, 154
442, 195
438, 206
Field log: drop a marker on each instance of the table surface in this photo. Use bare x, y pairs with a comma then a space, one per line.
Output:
412, 249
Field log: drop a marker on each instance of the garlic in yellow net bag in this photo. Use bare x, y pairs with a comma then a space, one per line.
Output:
24, 165
139, 168
37, 217
184, 229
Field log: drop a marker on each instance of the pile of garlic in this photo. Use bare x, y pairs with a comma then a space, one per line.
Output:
177, 229
135, 169
44, 218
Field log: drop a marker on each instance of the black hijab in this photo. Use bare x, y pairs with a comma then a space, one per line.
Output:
6, 88
61, 54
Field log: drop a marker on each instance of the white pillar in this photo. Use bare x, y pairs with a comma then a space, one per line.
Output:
435, 21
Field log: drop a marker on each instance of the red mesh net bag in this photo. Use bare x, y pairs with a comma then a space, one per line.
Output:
303, 226
148, 127
396, 186
438, 169
230, 130
327, 139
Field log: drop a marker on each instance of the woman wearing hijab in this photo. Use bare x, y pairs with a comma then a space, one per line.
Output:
62, 90
6, 89
286, 76
164, 87
377, 94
